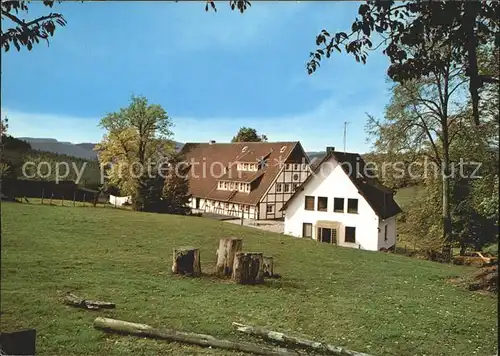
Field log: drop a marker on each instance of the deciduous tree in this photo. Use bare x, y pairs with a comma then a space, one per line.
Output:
424, 116
137, 138
248, 134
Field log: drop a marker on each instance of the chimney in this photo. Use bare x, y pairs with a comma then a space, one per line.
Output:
211, 142
330, 149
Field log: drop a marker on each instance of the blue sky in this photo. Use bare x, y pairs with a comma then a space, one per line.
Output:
212, 72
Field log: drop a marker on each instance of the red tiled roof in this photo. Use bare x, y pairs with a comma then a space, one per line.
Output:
207, 161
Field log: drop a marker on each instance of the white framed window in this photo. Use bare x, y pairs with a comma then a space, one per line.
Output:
279, 187
269, 208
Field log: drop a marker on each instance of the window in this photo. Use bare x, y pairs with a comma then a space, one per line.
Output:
385, 232
226, 185
278, 187
296, 186
247, 208
245, 166
269, 208
295, 176
296, 167
309, 205
338, 205
350, 234
287, 187
307, 229
248, 187
226, 205
288, 166
352, 206
322, 203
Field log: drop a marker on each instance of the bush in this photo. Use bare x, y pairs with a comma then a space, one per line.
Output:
493, 249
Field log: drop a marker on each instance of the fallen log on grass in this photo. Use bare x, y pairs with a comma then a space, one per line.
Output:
292, 341
143, 330
75, 301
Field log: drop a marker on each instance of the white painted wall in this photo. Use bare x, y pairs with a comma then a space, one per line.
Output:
391, 233
331, 181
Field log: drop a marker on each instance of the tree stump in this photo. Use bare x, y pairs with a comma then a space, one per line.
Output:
248, 268
225, 256
186, 260
268, 266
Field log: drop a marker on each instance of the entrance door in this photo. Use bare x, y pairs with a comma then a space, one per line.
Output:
327, 235
197, 203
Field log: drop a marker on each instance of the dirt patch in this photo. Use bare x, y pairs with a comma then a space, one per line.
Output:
483, 280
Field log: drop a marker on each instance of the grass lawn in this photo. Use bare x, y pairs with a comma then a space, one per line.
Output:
382, 304
404, 196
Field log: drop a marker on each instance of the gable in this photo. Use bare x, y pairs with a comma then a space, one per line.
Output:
379, 197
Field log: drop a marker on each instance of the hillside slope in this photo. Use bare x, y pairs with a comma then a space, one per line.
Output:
79, 150
377, 303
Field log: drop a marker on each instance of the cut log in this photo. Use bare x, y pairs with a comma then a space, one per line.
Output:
225, 256
248, 268
292, 341
75, 301
186, 260
143, 330
268, 267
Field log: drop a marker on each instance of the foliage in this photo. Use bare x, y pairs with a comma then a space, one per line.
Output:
25, 33
113, 254
397, 170
137, 140
5, 169
176, 188
248, 134
411, 33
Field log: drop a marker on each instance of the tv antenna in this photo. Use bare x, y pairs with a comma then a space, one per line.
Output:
345, 134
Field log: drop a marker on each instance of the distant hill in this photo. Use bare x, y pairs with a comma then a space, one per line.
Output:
79, 150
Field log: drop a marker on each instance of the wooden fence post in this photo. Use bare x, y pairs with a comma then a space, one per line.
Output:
51, 196
42, 194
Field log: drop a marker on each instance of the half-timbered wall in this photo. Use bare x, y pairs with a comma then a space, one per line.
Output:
223, 208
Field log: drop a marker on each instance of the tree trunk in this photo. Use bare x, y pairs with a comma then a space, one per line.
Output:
316, 346
268, 266
446, 215
225, 256
248, 268
143, 330
186, 260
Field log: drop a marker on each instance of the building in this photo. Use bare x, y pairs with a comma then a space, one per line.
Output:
252, 180
341, 203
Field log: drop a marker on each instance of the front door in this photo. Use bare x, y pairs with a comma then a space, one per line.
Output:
197, 203
327, 235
